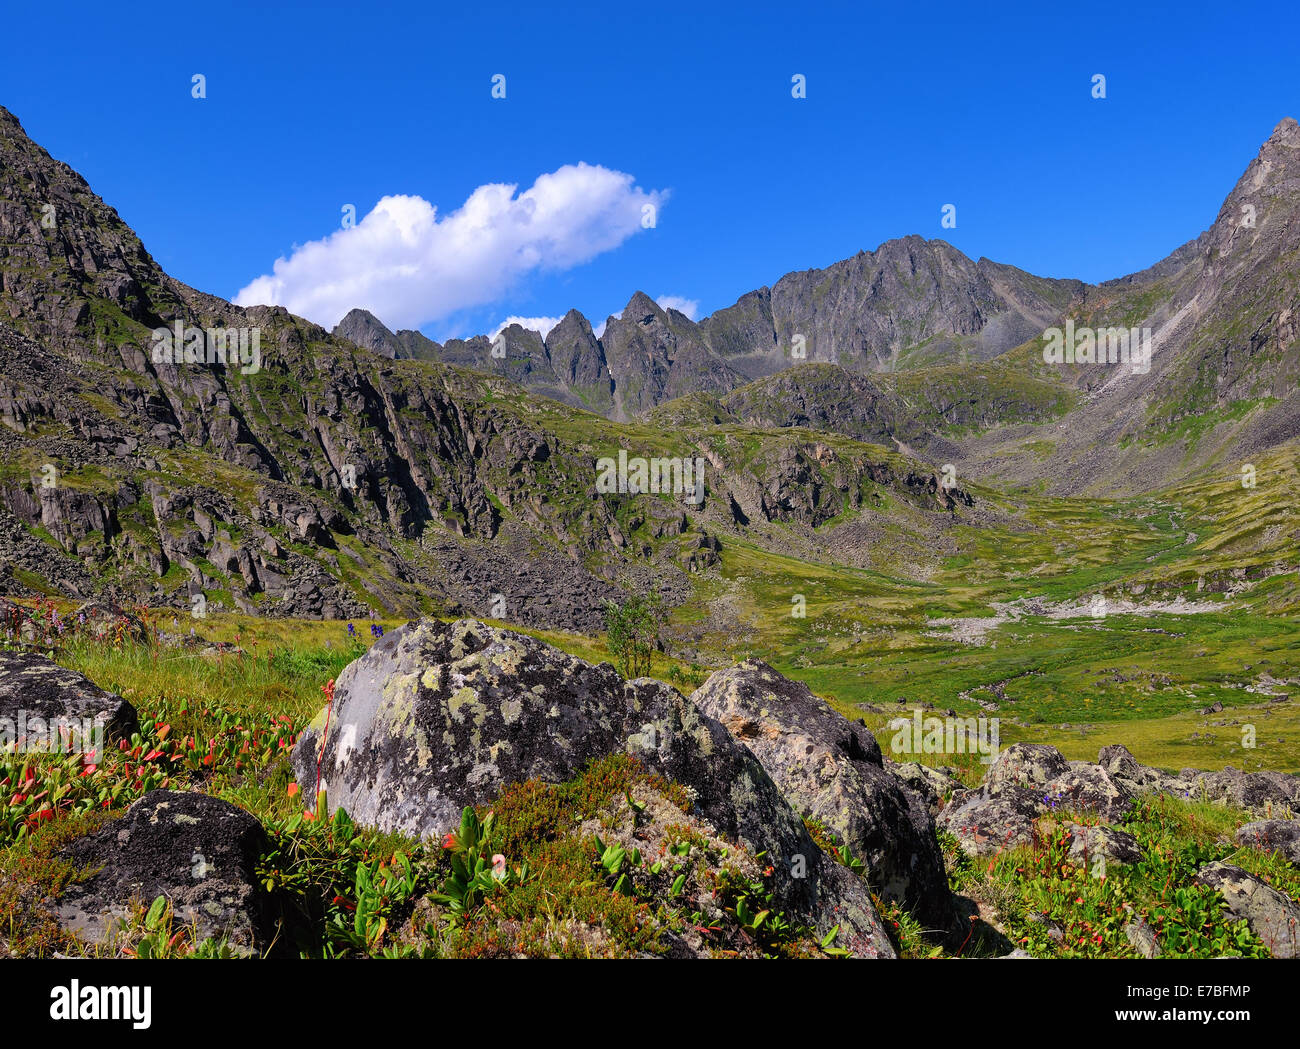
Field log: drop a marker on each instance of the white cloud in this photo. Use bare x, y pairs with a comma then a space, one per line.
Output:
539, 324
410, 266
690, 307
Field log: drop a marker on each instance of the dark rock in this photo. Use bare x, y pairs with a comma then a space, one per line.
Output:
38, 693
1273, 835
930, 783
198, 851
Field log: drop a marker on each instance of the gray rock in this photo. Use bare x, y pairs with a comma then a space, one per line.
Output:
1089, 788
831, 769
1115, 846
1143, 938
930, 783
37, 693
986, 824
1025, 765
1272, 917
1275, 835
437, 716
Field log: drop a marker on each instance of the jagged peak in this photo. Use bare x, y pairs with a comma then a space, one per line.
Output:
1287, 133
359, 315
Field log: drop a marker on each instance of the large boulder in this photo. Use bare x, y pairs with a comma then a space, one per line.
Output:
46, 706
985, 824
831, 769
1272, 917
1025, 765
436, 716
1027, 781
198, 851
1273, 835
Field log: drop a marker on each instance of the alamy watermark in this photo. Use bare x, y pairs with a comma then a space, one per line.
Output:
633, 475
946, 735
1098, 346
31, 733
226, 346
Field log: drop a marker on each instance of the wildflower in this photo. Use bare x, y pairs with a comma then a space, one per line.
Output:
449, 841
352, 630
498, 866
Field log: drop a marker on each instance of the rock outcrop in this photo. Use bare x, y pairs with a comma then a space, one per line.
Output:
438, 716
832, 770
1273, 917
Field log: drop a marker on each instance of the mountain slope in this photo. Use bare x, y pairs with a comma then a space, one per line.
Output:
315, 477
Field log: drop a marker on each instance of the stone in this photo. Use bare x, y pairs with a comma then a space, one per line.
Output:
1273, 917
198, 851
1281, 836
35, 690
831, 769
436, 716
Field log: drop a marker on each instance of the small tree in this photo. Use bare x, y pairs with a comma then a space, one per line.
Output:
632, 632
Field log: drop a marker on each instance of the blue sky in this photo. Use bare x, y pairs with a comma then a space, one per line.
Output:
908, 108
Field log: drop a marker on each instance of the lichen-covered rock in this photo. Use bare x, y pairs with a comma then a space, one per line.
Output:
1025, 765
1256, 791
437, 716
50, 706
933, 785
1259, 792
831, 769
1089, 788
1027, 781
1088, 843
1273, 917
985, 824
1275, 835
198, 851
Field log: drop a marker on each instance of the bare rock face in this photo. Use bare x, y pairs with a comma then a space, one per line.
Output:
831, 769
1273, 917
198, 851
42, 701
437, 716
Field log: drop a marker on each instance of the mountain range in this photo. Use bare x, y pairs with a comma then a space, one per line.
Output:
878, 413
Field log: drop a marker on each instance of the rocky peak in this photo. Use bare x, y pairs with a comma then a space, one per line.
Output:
365, 329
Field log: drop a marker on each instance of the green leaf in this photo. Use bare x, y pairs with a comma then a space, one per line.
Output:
156, 911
